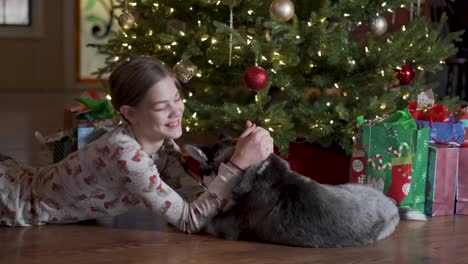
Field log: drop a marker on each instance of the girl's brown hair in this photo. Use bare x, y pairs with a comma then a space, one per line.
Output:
131, 80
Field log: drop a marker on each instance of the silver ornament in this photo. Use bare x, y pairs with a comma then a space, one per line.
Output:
282, 10
378, 25
185, 70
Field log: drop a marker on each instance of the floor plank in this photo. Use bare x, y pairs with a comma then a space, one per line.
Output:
140, 237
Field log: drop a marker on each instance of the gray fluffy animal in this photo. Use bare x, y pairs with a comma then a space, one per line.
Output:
274, 204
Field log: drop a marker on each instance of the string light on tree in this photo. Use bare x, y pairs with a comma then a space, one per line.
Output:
282, 10
294, 53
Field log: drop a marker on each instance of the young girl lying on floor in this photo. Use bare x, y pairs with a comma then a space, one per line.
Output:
137, 162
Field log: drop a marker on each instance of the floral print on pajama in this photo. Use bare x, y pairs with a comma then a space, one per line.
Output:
106, 178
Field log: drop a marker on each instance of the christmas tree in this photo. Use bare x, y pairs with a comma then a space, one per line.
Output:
302, 69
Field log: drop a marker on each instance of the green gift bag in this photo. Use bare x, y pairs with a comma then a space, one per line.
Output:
396, 152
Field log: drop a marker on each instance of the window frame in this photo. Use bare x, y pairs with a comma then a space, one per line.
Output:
34, 30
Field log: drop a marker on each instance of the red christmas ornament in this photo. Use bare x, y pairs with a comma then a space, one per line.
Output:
405, 75
255, 78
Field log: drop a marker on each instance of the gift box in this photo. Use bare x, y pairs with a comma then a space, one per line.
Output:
464, 120
444, 133
86, 135
445, 127
441, 180
324, 165
462, 182
60, 144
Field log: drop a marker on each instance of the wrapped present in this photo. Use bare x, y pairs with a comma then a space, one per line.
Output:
437, 113
86, 135
333, 168
462, 182
90, 109
60, 144
444, 133
396, 153
463, 118
441, 180
444, 129
426, 109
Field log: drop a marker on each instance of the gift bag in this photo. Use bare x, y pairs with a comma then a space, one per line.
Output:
358, 169
396, 153
444, 133
462, 183
464, 120
441, 180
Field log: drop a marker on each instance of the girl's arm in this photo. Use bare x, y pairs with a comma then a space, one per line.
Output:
145, 183
170, 165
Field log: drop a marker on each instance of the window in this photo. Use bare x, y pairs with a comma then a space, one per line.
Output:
15, 13
21, 18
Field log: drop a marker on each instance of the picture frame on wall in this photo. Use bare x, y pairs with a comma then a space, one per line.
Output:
21, 18
95, 21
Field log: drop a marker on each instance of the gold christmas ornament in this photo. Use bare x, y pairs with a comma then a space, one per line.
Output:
185, 70
282, 10
127, 20
378, 25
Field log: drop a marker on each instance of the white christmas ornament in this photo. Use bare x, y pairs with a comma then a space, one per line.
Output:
378, 25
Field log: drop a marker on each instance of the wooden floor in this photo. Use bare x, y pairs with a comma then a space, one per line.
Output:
139, 237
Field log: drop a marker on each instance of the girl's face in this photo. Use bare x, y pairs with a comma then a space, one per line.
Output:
159, 115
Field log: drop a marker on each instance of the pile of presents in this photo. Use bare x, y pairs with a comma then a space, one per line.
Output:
417, 156
84, 122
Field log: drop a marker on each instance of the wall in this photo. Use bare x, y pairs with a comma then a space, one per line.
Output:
35, 64
33, 86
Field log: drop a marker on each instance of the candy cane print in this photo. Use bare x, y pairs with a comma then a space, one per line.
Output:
372, 162
394, 150
379, 164
403, 144
388, 164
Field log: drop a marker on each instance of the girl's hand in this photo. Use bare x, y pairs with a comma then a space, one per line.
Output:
253, 146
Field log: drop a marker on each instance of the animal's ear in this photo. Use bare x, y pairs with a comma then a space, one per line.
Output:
223, 136
245, 185
197, 154
226, 140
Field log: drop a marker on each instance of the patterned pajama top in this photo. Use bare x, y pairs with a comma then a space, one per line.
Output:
106, 178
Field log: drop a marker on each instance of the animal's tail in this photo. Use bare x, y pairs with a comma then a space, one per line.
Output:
408, 214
